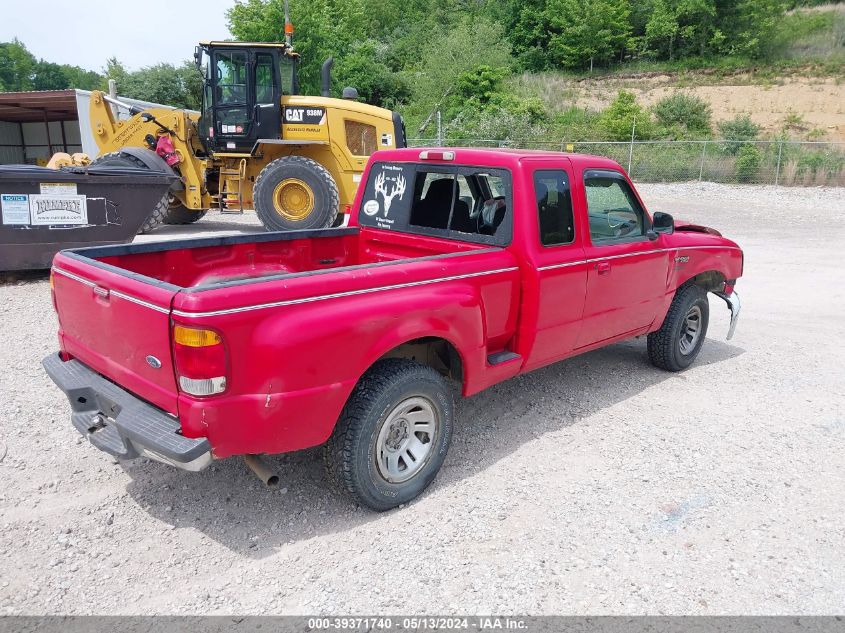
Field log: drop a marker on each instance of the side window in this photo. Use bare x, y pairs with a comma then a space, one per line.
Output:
286, 72
263, 78
614, 213
554, 207
360, 138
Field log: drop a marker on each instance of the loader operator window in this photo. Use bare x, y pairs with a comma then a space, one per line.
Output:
231, 92
263, 78
231, 77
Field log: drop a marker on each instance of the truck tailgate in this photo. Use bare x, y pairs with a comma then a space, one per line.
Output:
118, 325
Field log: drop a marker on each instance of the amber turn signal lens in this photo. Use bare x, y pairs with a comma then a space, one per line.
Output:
191, 337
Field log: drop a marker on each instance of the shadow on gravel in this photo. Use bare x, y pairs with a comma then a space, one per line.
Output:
20, 277
227, 503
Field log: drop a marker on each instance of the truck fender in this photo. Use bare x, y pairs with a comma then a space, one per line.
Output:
154, 162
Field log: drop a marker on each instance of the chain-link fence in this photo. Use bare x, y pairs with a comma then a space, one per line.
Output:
790, 163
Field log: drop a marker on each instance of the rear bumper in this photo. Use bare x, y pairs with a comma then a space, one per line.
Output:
120, 424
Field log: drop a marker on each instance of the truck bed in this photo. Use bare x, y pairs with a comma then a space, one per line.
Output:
205, 263
118, 304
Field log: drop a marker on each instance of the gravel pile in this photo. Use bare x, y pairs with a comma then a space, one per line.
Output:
597, 485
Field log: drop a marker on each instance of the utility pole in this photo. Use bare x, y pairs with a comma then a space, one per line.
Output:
439, 130
631, 150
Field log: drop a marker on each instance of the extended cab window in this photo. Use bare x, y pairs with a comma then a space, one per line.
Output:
614, 212
460, 202
554, 207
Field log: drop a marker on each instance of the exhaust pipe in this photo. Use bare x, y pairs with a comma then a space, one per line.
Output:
261, 470
326, 77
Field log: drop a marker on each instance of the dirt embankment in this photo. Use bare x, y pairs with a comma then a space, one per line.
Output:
811, 106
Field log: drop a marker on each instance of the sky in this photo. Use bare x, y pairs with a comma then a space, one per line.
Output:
138, 32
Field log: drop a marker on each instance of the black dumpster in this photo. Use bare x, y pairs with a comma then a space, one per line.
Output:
47, 210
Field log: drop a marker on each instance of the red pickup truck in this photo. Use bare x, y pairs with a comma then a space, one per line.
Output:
461, 265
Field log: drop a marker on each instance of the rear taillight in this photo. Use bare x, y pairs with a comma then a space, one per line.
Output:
200, 359
53, 290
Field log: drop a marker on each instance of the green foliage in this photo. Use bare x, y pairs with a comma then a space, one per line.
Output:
180, 87
688, 114
17, 67
616, 122
585, 33
481, 83
748, 161
20, 70
364, 67
436, 75
740, 128
323, 28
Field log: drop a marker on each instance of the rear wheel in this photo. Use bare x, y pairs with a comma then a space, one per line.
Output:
677, 343
294, 193
393, 434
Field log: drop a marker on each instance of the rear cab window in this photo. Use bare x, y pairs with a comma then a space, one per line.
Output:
471, 204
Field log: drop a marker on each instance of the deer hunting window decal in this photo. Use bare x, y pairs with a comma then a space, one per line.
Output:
385, 199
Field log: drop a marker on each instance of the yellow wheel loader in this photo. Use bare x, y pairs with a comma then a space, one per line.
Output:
257, 143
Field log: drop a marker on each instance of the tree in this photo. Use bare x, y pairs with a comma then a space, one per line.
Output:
451, 53
661, 28
17, 67
180, 87
684, 112
323, 28
49, 76
617, 120
364, 68
584, 33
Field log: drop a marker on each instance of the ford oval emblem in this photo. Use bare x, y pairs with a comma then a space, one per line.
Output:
154, 362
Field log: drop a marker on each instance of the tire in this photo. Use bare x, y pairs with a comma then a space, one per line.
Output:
178, 213
308, 182
119, 159
675, 346
372, 439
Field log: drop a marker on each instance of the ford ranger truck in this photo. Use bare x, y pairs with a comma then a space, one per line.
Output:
467, 266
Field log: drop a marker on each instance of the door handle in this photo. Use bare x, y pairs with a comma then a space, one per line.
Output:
603, 268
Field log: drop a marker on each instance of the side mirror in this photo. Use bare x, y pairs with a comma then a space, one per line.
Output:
663, 223
197, 56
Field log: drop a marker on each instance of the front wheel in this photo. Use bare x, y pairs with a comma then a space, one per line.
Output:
392, 435
294, 193
677, 343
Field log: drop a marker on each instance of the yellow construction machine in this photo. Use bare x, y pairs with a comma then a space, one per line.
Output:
257, 143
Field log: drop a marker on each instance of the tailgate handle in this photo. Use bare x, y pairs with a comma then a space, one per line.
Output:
102, 292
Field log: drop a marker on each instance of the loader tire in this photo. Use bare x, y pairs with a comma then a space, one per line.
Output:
392, 436
295, 193
676, 344
119, 159
178, 213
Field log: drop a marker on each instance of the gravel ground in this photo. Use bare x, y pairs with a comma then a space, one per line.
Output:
597, 485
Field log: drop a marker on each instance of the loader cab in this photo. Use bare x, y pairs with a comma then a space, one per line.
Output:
242, 88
